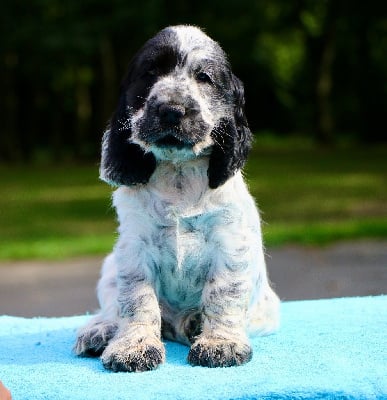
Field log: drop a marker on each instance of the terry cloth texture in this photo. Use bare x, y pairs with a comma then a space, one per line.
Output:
325, 349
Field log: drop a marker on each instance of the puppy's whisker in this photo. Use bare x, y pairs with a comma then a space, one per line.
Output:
126, 124
141, 97
219, 145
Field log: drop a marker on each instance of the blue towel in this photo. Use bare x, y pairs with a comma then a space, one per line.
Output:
325, 349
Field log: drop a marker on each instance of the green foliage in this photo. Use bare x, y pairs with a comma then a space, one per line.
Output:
284, 55
316, 67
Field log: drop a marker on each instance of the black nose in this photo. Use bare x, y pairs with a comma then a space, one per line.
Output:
171, 114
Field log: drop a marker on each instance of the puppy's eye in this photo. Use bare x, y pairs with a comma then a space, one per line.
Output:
203, 77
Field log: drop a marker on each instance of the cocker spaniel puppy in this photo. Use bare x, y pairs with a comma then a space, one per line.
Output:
188, 265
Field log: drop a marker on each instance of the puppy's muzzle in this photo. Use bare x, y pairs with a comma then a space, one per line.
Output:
170, 117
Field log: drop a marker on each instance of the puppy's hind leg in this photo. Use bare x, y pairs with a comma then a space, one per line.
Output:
264, 315
183, 326
93, 338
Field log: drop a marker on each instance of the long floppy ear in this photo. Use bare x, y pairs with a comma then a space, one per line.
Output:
123, 162
232, 140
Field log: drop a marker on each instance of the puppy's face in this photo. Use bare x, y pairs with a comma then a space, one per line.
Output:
178, 92
179, 100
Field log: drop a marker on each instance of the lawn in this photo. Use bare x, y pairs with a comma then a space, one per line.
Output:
306, 195
315, 197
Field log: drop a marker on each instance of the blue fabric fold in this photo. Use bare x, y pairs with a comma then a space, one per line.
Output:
325, 349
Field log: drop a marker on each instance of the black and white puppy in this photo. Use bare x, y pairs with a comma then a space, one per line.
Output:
188, 264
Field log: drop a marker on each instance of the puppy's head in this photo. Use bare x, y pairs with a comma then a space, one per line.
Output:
179, 100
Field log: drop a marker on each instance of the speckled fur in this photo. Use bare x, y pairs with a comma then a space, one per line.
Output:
189, 263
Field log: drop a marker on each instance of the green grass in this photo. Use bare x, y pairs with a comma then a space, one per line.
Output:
311, 196
306, 196
54, 212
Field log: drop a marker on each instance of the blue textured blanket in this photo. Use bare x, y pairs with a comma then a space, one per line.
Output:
325, 349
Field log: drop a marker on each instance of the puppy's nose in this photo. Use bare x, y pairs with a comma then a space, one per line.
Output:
171, 114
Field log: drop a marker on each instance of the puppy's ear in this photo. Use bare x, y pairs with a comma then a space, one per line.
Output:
232, 141
123, 162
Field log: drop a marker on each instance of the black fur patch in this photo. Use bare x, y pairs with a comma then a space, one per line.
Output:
125, 163
193, 328
233, 140
156, 58
168, 330
229, 154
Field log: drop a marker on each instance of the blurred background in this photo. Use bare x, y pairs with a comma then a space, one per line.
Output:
310, 67
315, 75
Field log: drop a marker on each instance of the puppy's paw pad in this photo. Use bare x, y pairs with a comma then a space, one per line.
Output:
214, 353
133, 356
91, 341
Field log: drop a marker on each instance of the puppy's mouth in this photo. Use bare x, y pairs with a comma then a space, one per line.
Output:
171, 141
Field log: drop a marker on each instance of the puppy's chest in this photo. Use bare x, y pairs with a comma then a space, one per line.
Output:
183, 247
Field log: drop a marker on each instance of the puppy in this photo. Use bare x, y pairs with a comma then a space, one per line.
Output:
188, 264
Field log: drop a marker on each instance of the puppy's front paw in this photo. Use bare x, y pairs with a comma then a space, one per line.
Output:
126, 354
93, 338
213, 352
